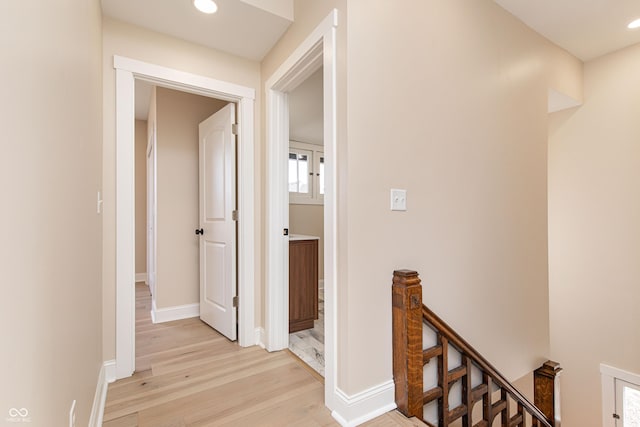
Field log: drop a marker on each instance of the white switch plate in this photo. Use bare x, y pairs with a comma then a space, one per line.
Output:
398, 200
99, 203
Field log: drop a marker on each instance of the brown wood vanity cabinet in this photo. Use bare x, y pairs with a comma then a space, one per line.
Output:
303, 284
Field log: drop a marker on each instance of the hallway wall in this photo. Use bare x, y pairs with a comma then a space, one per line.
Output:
141, 196
178, 269
50, 175
594, 233
460, 121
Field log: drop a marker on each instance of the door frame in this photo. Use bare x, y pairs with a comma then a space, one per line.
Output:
608, 376
152, 207
317, 50
127, 71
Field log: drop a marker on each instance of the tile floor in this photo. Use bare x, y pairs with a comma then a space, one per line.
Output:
308, 345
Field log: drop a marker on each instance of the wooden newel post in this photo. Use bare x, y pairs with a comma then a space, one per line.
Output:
546, 385
407, 342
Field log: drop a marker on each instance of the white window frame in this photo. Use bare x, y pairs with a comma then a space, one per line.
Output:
298, 195
316, 151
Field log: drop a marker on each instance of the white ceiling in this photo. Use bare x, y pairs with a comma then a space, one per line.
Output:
238, 27
306, 111
586, 28
249, 28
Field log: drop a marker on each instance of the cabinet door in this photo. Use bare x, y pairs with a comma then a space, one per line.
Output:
303, 284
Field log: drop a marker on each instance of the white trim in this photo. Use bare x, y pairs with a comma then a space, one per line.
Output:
106, 376
558, 101
364, 406
110, 370
608, 376
127, 70
183, 81
141, 277
178, 312
318, 49
260, 337
125, 225
620, 374
246, 233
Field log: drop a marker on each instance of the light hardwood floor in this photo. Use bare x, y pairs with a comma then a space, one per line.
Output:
189, 375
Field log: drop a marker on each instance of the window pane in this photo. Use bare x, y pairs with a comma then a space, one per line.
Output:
293, 173
631, 405
303, 173
321, 176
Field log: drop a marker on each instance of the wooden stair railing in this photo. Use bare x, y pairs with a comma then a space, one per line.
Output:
409, 359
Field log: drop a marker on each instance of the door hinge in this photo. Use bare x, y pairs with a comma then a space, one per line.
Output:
234, 215
234, 129
235, 301
616, 416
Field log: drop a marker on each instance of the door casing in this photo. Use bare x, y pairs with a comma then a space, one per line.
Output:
317, 50
151, 211
127, 71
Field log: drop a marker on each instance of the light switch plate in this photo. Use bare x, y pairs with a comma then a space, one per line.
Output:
398, 200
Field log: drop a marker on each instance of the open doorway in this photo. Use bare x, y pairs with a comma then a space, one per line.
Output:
170, 166
306, 222
127, 72
315, 52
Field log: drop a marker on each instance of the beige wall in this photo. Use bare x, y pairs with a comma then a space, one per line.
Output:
137, 43
309, 220
462, 125
50, 310
141, 196
178, 116
565, 73
594, 229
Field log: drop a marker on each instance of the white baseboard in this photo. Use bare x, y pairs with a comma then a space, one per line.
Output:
107, 375
260, 337
161, 315
141, 277
354, 410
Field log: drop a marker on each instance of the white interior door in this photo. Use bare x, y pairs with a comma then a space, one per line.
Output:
627, 404
217, 226
151, 212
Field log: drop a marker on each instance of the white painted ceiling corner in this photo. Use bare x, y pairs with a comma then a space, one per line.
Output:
282, 8
246, 28
586, 28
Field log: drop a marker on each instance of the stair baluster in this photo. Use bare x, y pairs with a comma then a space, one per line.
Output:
409, 359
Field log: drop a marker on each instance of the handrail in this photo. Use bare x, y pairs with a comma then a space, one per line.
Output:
409, 358
462, 345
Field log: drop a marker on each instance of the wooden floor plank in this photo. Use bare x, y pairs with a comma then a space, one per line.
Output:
130, 420
189, 375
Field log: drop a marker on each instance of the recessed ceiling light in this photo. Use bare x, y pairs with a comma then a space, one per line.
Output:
635, 24
205, 6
